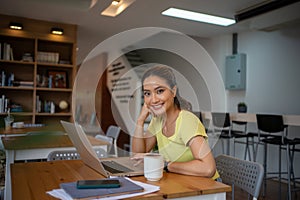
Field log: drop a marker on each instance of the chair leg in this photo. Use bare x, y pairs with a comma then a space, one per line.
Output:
228, 147
279, 171
289, 163
265, 170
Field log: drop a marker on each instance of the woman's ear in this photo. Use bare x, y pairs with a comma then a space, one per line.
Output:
174, 90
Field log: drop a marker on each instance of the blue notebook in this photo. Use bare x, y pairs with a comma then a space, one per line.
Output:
127, 187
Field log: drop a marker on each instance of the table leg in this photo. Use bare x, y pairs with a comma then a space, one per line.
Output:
9, 160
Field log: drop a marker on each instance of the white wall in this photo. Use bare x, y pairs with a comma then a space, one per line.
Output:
273, 77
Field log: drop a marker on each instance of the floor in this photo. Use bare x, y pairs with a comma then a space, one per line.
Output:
271, 194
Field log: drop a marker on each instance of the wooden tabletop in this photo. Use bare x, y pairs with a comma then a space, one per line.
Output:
43, 141
32, 180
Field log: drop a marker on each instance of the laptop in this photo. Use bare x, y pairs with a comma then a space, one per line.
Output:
108, 167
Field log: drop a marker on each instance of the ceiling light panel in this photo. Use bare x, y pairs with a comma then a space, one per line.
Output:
199, 17
116, 7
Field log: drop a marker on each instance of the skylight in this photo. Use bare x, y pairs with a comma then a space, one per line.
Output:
200, 17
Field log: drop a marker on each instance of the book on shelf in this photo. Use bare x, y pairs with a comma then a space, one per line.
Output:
6, 52
4, 104
23, 83
47, 57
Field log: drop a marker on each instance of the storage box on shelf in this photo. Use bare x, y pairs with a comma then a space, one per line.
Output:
37, 71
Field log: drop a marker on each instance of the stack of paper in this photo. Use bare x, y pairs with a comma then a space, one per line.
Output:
69, 191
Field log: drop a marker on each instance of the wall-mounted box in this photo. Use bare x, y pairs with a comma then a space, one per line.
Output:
235, 72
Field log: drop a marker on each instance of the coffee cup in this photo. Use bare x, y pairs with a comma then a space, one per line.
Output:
153, 166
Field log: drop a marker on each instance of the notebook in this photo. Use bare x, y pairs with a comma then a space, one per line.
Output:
121, 166
127, 187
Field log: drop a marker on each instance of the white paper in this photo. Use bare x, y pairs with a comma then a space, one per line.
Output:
61, 194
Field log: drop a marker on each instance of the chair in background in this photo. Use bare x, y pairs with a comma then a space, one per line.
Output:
199, 115
275, 133
246, 175
293, 143
222, 126
72, 154
111, 136
245, 135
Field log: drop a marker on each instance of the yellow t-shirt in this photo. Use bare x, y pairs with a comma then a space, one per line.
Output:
175, 148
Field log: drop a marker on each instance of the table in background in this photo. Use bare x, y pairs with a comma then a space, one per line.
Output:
291, 120
33, 180
31, 147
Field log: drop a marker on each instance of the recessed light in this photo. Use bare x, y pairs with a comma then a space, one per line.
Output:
57, 31
200, 17
16, 25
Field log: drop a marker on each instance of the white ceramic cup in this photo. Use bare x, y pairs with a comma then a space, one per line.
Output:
153, 166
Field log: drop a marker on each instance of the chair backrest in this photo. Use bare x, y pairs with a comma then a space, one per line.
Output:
198, 114
220, 120
113, 132
110, 140
111, 136
63, 155
244, 174
270, 123
72, 154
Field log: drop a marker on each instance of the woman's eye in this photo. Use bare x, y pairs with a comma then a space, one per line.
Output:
146, 94
160, 91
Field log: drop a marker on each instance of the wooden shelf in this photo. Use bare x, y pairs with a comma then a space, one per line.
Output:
53, 114
54, 89
34, 100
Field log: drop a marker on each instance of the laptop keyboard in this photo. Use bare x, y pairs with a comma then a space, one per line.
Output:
114, 167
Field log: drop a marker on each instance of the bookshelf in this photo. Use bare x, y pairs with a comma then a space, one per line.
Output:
37, 71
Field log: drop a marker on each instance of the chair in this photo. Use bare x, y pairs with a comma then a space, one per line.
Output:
245, 135
246, 175
72, 154
275, 133
293, 143
199, 115
222, 125
111, 136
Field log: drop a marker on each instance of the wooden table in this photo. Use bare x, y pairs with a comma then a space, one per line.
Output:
33, 180
28, 147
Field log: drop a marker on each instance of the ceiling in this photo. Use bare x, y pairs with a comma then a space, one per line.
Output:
146, 13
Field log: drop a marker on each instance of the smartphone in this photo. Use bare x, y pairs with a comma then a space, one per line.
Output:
101, 183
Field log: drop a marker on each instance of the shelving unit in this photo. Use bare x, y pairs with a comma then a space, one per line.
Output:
56, 62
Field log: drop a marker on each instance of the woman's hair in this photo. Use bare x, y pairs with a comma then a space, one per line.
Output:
166, 73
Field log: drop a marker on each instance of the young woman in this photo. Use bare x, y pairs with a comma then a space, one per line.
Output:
178, 133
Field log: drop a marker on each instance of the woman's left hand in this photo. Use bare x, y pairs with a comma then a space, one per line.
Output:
138, 158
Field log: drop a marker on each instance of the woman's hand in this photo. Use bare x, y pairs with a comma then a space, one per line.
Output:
145, 112
138, 158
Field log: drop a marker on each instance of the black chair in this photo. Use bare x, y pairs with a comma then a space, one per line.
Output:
275, 133
222, 126
246, 136
293, 148
199, 115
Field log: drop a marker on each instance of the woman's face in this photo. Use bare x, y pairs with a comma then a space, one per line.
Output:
158, 95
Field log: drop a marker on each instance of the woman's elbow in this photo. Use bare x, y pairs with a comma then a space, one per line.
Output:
210, 172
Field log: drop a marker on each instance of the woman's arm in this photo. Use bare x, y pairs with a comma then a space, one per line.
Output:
203, 164
142, 142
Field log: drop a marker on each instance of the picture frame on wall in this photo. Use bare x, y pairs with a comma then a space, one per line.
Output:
58, 79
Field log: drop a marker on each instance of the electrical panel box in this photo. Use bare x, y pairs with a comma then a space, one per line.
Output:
235, 72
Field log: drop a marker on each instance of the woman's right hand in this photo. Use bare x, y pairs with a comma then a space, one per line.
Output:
145, 112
